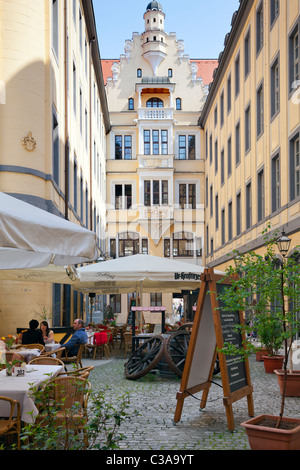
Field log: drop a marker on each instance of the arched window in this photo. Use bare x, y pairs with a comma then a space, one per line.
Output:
130, 103
139, 73
155, 103
178, 103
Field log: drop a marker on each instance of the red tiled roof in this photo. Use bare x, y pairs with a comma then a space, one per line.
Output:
205, 68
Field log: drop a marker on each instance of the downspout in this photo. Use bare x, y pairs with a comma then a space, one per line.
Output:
66, 116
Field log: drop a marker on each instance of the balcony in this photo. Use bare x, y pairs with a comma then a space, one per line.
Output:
155, 113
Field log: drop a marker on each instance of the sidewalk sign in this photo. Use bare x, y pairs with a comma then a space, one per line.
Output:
211, 328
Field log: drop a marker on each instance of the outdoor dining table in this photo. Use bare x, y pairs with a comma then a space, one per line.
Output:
52, 346
19, 388
28, 354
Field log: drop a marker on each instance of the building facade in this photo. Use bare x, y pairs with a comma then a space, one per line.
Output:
251, 125
155, 161
53, 125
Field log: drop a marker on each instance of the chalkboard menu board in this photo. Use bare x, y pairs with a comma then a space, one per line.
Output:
235, 364
130, 313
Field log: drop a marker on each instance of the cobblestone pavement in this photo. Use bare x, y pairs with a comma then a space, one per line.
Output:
154, 398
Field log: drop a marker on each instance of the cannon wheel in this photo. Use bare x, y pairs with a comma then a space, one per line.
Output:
175, 350
145, 358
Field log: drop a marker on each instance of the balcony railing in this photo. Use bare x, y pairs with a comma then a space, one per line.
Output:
155, 113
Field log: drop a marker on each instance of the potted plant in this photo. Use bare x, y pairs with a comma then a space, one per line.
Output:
274, 287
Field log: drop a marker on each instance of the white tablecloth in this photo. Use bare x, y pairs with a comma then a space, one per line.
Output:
27, 353
18, 388
52, 346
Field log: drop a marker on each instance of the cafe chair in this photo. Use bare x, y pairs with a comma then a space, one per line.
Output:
83, 372
46, 361
74, 359
32, 346
55, 353
11, 426
70, 396
13, 356
101, 340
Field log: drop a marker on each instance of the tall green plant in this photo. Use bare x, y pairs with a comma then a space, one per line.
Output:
268, 292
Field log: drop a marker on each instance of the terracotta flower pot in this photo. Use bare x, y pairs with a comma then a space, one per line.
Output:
260, 353
292, 388
272, 362
263, 435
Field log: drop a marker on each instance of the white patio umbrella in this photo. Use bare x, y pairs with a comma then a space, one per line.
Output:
144, 273
50, 273
33, 238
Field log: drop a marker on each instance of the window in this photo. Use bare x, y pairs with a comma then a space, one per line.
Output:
229, 157
154, 103
222, 109
217, 211
223, 226
259, 28
178, 103
295, 167
170, 73
123, 147
167, 248
55, 147
216, 115
247, 130
183, 244
75, 185
230, 220
237, 75
274, 10
211, 201
156, 300
294, 57
131, 104
248, 206
155, 192
238, 214
55, 27
128, 244
222, 167
123, 196
74, 88
210, 149
187, 196
229, 94
237, 144
115, 302
112, 248
80, 30
216, 157
260, 111
139, 73
155, 142
247, 54
275, 91
260, 196
144, 246
187, 149
275, 183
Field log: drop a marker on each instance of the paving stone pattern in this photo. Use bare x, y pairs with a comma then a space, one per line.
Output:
154, 398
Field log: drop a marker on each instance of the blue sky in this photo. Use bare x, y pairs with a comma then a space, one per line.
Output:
202, 24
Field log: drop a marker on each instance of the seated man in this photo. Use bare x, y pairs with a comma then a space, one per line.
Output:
79, 337
33, 335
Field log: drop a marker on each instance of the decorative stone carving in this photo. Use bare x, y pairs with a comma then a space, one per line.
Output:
29, 142
115, 70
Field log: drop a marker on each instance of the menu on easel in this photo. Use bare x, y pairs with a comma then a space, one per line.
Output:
212, 327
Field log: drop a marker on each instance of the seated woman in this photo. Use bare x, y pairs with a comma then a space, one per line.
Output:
48, 334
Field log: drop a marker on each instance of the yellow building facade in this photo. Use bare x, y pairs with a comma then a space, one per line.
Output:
155, 161
251, 130
53, 125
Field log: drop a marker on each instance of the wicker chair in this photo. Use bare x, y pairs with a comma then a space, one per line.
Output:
83, 372
70, 395
11, 425
46, 360
32, 346
75, 359
13, 356
57, 352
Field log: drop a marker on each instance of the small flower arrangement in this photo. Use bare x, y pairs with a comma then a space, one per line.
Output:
9, 341
10, 366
